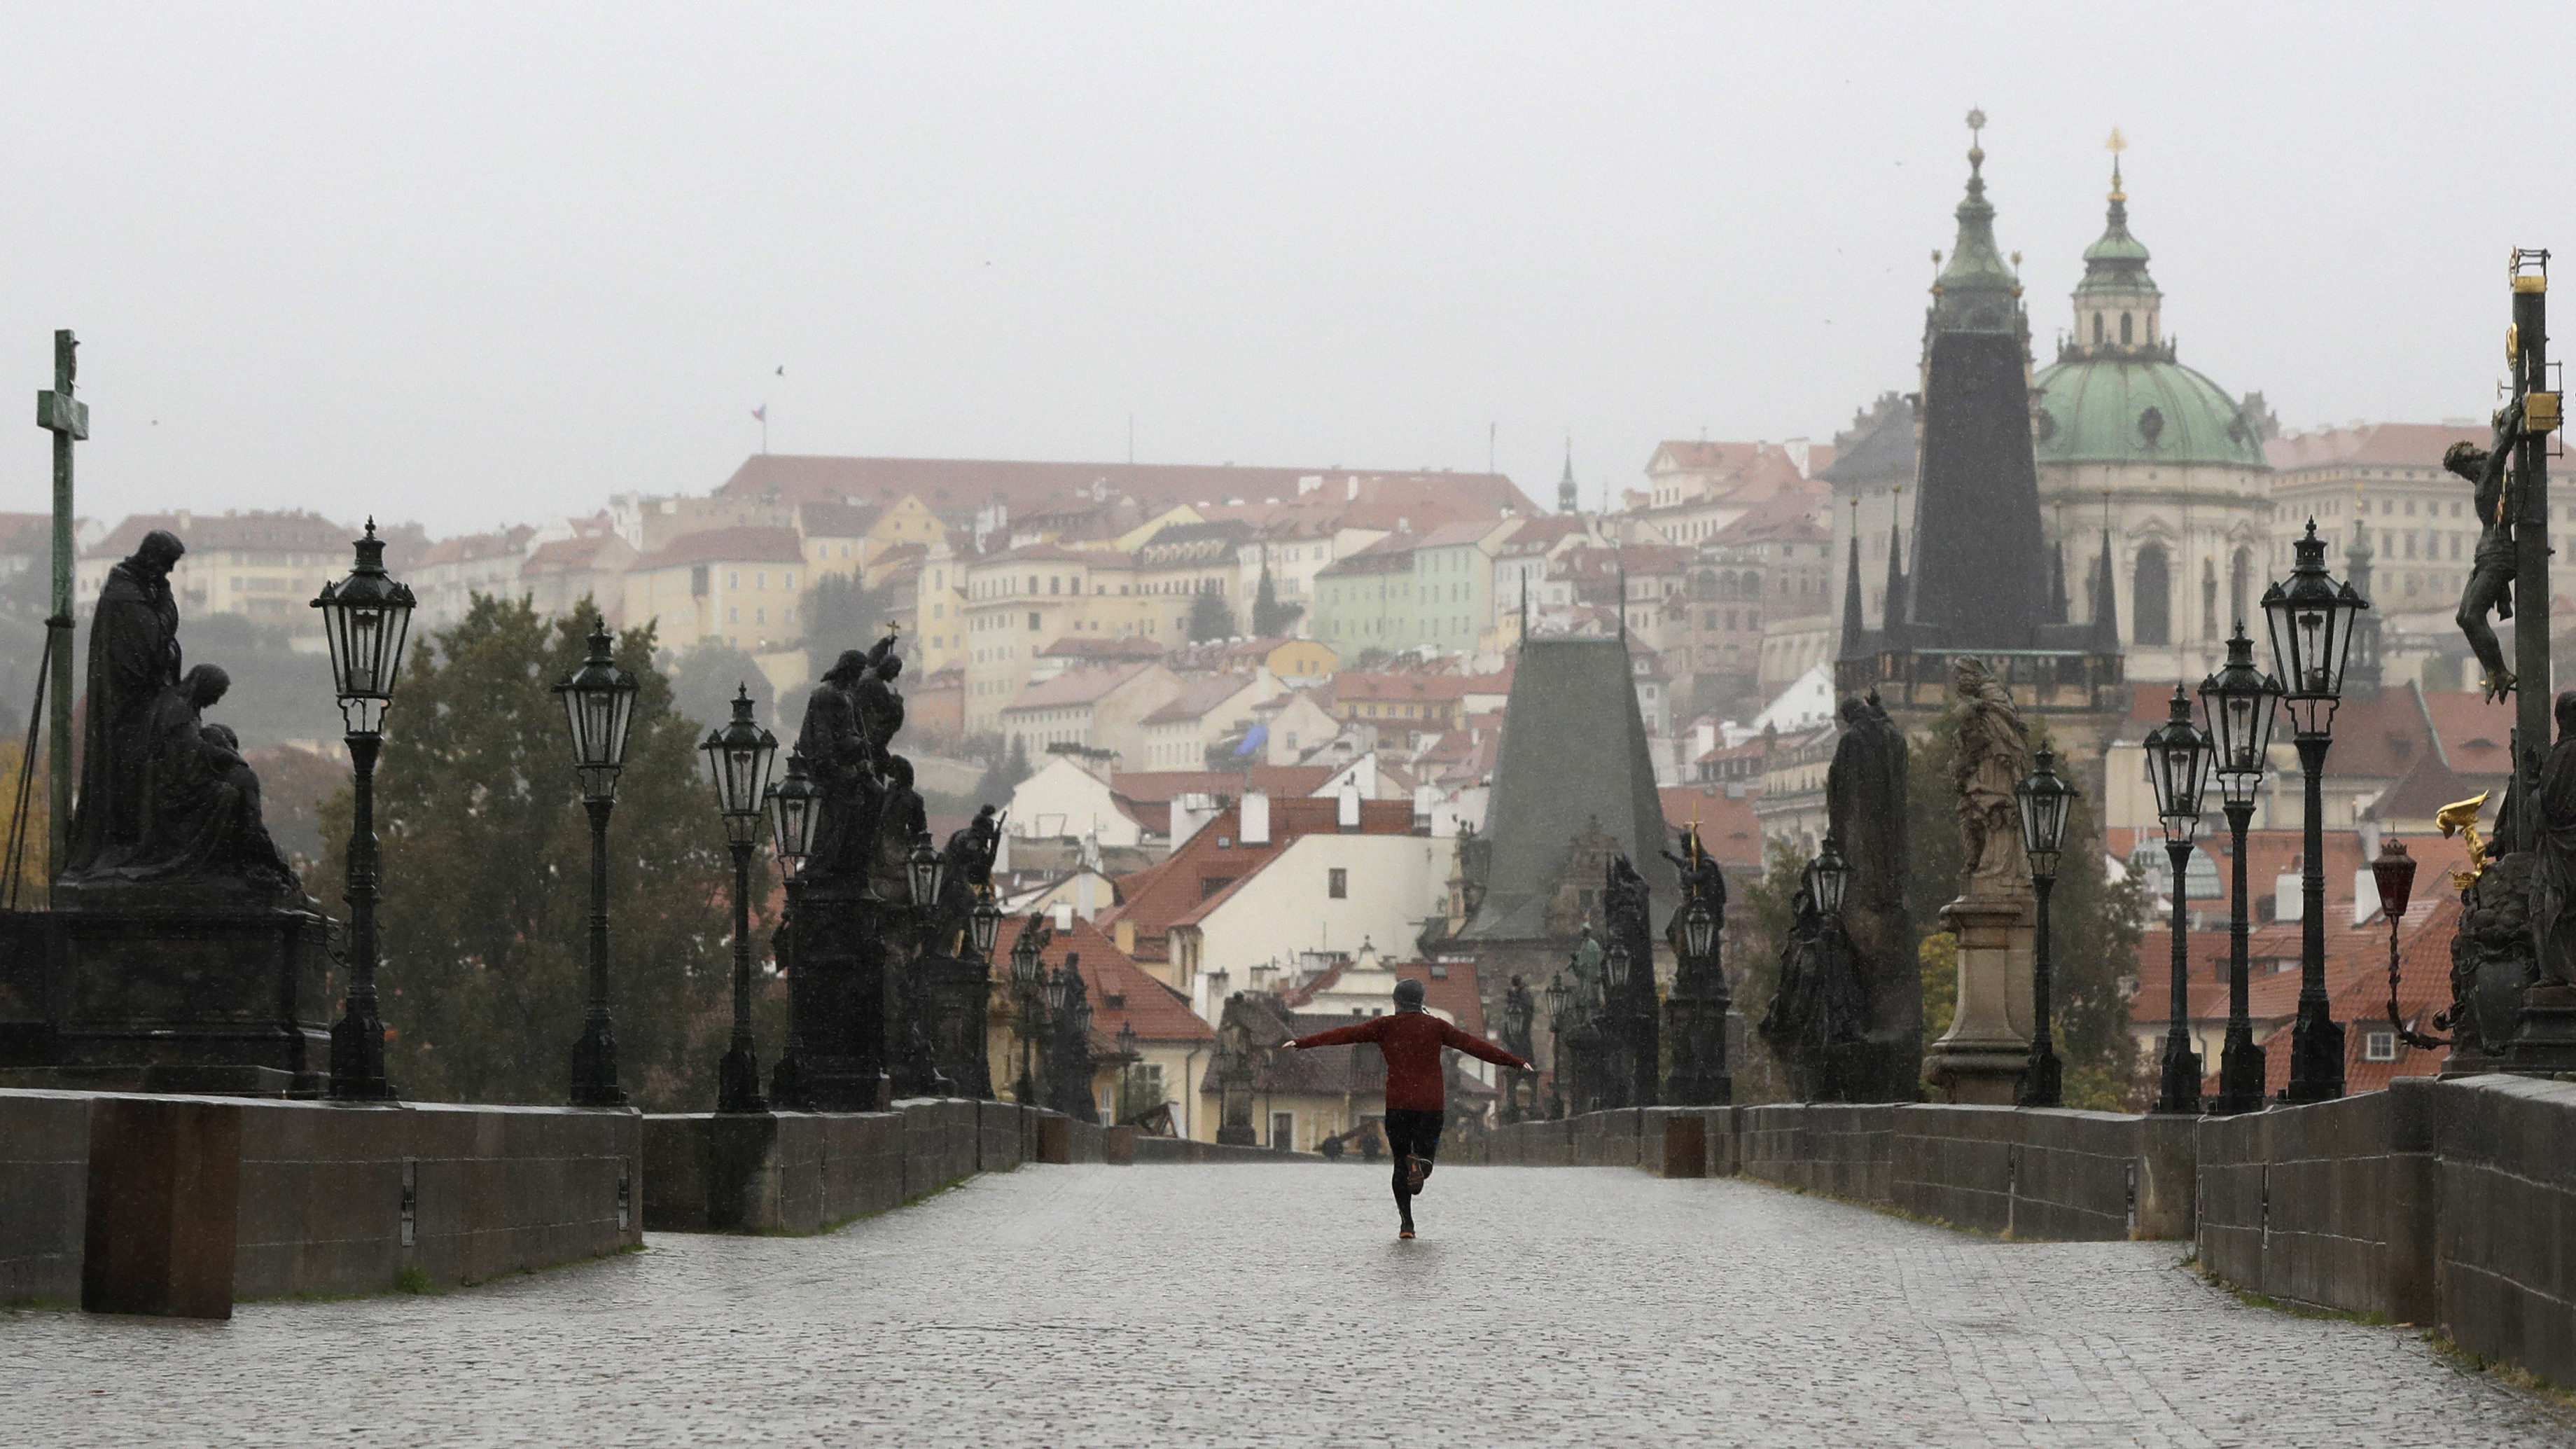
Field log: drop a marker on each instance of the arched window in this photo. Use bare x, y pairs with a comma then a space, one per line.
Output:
2097, 329
2240, 586
2151, 597
2209, 598
2124, 329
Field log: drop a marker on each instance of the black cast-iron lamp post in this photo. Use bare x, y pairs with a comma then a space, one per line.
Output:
1699, 930
1618, 1023
2178, 765
984, 926
1827, 877
2240, 702
1128, 1057
2044, 799
1560, 1000
794, 808
364, 617
1027, 980
924, 869
738, 759
599, 706
2311, 617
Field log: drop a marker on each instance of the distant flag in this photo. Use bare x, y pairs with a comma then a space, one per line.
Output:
761, 412
1253, 739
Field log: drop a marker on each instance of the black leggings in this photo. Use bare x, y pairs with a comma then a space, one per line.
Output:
1411, 1134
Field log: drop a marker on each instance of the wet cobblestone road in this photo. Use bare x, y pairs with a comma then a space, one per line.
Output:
1270, 1305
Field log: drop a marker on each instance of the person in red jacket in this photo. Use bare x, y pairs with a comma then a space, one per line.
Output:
1417, 1105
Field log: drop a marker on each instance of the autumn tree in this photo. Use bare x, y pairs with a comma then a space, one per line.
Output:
486, 876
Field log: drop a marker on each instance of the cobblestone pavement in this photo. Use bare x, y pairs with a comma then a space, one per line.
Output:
1271, 1305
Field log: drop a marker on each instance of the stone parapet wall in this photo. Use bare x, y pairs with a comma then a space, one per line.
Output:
807, 1172
182, 1205
2451, 1204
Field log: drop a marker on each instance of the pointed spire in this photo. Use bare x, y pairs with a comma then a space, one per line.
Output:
1565, 494
1977, 291
2106, 602
1893, 617
2057, 584
1853, 627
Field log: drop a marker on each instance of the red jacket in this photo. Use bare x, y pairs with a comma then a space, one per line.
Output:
1411, 1042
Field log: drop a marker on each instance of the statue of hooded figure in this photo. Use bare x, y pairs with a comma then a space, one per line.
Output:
133, 659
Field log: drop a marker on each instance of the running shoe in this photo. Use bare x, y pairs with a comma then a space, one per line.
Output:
1406, 1232
1416, 1171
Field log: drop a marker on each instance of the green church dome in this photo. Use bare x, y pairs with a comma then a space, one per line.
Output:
2115, 409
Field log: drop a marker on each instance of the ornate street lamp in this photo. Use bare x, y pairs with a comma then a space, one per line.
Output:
1560, 1000
2311, 619
925, 869
1617, 965
795, 808
1699, 930
1128, 1057
599, 706
738, 759
1028, 978
1827, 876
2394, 873
2177, 765
364, 617
2240, 702
984, 925
2045, 801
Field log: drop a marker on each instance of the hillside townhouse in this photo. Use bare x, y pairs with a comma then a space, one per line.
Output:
737, 585
557, 576
1210, 709
1234, 838
1430, 591
1101, 707
1695, 490
1174, 1046
266, 566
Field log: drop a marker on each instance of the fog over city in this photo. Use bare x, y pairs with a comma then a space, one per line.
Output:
481, 264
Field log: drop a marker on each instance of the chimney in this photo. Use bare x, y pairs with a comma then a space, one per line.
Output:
1350, 490
1346, 808
1063, 913
1123, 933
1422, 799
1256, 817
2288, 898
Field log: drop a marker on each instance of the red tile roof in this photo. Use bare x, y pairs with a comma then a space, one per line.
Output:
1161, 895
1156, 789
1199, 696
727, 545
1109, 974
1082, 684
1727, 828
2379, 445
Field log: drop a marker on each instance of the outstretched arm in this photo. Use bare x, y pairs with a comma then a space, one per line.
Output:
1476, 1046
1368, 1030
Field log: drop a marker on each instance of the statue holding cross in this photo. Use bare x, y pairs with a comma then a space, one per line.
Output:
67, 418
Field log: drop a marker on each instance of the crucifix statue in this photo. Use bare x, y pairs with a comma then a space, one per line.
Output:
67, 418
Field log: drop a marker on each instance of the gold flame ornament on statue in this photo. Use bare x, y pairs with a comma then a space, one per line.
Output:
2460, 818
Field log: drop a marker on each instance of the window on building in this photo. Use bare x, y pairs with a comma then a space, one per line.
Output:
1033, 621
1283, 1131
733, 578
1337, 883
2379, 1046
2151, 597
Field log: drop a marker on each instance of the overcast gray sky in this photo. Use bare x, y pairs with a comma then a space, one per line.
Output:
476, 264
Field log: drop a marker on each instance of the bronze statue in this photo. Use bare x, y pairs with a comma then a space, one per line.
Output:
133, 659
2490, 586
1994, 755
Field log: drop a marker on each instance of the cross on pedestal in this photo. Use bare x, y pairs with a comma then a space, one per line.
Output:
67, 418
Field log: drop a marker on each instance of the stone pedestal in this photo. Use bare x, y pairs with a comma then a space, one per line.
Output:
1979, 1060
838, 1002
2544, 1042
231, 1002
